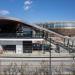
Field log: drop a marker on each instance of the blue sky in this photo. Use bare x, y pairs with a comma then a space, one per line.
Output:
39, 10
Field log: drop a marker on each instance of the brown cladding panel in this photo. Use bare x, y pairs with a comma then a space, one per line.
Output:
65, 31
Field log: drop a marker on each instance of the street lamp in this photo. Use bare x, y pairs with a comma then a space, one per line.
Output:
50, 72
49, 39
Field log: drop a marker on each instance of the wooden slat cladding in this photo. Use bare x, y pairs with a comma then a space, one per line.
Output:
65, 31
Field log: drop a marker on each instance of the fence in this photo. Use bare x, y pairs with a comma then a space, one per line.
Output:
36, 66
24, 67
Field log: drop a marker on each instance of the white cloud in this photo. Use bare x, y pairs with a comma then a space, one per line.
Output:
26, 7
27, 4
4, 12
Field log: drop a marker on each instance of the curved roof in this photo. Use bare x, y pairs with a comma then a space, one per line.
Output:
12, 19
28, 24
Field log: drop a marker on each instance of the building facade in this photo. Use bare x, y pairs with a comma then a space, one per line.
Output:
36, 49
66, 28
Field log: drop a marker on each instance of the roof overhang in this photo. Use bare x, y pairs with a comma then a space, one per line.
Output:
33, 26
16, 20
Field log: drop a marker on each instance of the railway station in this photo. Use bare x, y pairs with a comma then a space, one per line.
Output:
49, 45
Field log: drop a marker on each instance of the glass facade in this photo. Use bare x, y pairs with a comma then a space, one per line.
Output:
59, 25
51, 25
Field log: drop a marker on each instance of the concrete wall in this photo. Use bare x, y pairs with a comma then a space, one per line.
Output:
19, 45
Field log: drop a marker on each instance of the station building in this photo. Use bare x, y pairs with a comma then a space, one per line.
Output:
20, 37
65, 28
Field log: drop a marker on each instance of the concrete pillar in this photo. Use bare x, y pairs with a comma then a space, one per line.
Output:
34, 34
43, 48
1, 49
19, 47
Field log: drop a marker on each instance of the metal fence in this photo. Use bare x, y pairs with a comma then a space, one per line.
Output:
36, 66
24, 67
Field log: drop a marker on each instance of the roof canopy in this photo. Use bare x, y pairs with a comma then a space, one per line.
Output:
33, 26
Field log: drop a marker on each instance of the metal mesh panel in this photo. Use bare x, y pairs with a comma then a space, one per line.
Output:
24, 67
59, 66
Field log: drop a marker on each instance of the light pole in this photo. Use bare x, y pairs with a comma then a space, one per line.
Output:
49, 39
50, 72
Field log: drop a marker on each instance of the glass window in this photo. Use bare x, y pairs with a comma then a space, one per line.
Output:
50, 25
